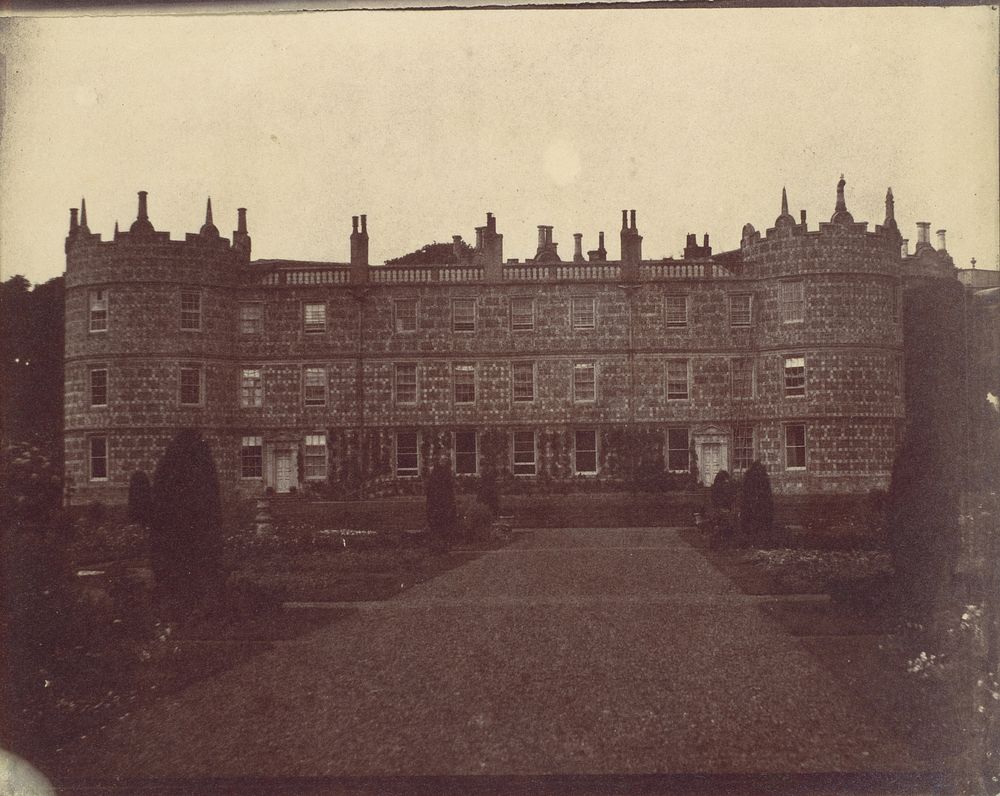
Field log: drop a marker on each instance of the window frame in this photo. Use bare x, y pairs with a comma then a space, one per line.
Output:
464, 326
313, 402
248, 444
455, 453
514, 463
187, 313
468, 370
406, 472
313, 327
308, 442
397, 366
787, 305
259, 388
670, 449
588, 451
100, 297
674, 324
792, 389
574, 313
530, 327
737, 459
258, 326
90, 386
736, 315
751, 378
397, 327
200, 370
582, 366
522, 364
788, 447
91, 458
686, 362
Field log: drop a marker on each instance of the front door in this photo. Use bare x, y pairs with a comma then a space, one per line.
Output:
283, 475
711, 461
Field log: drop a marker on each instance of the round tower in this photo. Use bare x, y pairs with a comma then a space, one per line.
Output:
150, 329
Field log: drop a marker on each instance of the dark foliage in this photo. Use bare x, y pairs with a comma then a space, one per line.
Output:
140, 498
488, 492
185, 535
433, 254
442, 515
723, 490
756, 502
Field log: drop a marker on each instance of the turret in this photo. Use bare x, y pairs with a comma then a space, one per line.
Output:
359, 250
208, 229
84, 229
785, 220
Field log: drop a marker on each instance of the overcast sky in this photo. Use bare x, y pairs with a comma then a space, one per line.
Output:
427, 120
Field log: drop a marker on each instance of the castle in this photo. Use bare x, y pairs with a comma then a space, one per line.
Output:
352, 378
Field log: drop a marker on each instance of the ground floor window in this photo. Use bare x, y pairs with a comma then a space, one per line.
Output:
585, 451
407, 456
678, 450
742, 448
524, 453
98, 458
252, 458
795, 447
465, 453
315, 456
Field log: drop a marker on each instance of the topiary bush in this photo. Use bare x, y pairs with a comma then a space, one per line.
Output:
140, 498
723, 490
756, 502
442, 516
185, 534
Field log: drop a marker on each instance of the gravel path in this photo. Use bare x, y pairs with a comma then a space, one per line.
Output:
571, 652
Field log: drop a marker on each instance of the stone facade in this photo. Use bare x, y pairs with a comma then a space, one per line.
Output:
350, 378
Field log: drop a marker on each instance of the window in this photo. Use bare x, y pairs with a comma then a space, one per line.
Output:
677, 380
897, 376
190, 311
676, 311
678, 450
314, 318
740, 309
252, 318
792, 301
98, 310
585, 451
406, 383
524, 453
523, 381
191, 384
314, 463
99, 387
584, 312
795, 447
795, 376
98, 458
407, 456
465, 383
405, 315
465, 452
742, 447
894, 298
252, 458
463, 315
584, 382
251, 388
314, 386
741, 377
522, 314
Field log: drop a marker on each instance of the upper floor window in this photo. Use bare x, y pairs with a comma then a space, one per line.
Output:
795, 447
740, 309
584, 382
522, 313
314, 459
741, 377
98, 458
677, 380
894, 299
314, 318
404, 313
742, 447
676, 311
465, 383
795, 376
190, 311
678, 450
99, 387
406, 383
252, 457
463, 315
465, 453
584, 312
792, 301
191, 384
524, 455
251, 388
407, 454
251, 318
314, 386
98, 310
523, 381
585, 451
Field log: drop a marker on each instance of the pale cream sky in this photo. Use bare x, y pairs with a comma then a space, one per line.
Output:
426, 120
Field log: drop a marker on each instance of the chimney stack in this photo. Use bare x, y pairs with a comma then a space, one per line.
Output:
802, 217
541, 237
705, 241
941, 240
142, 215
904, 248
923, 232
364, 224
632, 213
359, 251
74, 224
578, 247
624, 219
241, 240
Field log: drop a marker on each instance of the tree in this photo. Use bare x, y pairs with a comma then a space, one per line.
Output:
756, 501
433, 254
140, 498
442, 515
185, 535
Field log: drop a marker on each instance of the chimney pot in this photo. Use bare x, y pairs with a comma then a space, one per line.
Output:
364, 224
624, 219
142, 215
705, 241
941, 240
241, 220
74, 224
632, 214
354, 223
600, 240
923, 232
904, 247
802, 216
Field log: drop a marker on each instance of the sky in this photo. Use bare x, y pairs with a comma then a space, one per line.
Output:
426, 120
